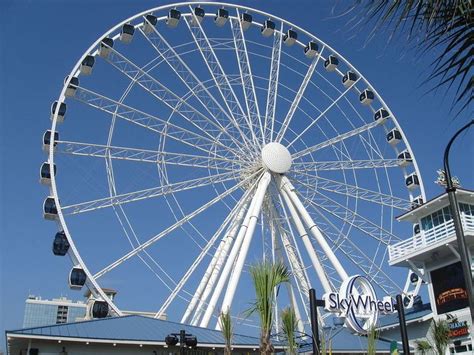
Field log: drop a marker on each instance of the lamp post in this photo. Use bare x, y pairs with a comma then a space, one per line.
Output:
461, 240
184, 340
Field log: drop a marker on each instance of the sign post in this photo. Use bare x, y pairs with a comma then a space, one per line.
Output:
313, 305
403, 325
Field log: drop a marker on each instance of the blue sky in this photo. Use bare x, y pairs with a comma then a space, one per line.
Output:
40, 42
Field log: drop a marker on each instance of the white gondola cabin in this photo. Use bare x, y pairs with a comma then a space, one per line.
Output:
105, 47
290, 37
381, 116
416, 202
149, 23
349, 79
366, 97
173, 18
77, 278
87, 64
331, 63
47, 139
126, 35
412, 181
50, 212
311, 50
404, 158
221, 17
61, 109
60, 244
394, 137
268, 28
245, 20
72, 86
198, 16
98, 309
45, 173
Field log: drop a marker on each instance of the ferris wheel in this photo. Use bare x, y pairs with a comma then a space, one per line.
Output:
194, 139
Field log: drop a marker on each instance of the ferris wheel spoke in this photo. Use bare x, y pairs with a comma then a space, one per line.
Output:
315, 120
351, 217
358, 257
227, 221
272, 92
332, 141
344, 164
164, 94
294, 105
191, 81
145, 120
176, 225
217, 72
354, 191
250, 94
145, 155
147, 193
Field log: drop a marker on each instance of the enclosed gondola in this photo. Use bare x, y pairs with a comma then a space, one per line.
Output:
290, 37
149, 23
349, 79
199, 14
126, 35
50, 210
417, 201
77, 277
245, 20
72, 86
87, 64
105, 47
366, 97
311, 50
99, 309
47, 139
381, 116
61, 111
404, 158
268, 28
331, 63
221, 18
394, 137
412, 181
60, 244
173, 18
45, 173
416, 229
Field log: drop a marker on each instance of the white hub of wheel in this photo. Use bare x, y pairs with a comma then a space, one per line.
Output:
276, 158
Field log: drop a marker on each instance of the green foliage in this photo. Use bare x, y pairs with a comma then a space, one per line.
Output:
423, 346
372, 336
225, 322
444, 26
439, 332
266, 277
289, 323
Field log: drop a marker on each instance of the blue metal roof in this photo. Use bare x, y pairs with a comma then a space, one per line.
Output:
133, 328
411, 314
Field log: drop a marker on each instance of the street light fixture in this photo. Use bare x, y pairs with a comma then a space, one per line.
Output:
461, 240
185, 340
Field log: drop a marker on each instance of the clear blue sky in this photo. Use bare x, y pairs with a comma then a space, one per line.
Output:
40, 42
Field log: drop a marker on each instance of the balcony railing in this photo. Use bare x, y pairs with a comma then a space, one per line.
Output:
427, 238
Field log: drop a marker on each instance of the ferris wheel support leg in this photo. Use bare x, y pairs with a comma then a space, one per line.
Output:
208, 286
289, 190
295, 306
239, 264
228, 266
307, 243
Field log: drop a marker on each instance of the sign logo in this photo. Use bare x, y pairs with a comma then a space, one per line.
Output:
358, 304
457, 328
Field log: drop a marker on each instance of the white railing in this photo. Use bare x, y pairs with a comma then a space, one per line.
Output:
427, 238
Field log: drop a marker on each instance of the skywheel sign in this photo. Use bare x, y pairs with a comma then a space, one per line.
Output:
358, 304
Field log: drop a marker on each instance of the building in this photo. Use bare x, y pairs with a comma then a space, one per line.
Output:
433, 249
39, 312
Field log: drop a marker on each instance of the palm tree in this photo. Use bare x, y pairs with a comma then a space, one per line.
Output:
225, 322
266, 277
444, 26
440, 335
372, 335
423, 346
289, 323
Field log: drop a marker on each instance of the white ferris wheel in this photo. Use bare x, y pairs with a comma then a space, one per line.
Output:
194, 139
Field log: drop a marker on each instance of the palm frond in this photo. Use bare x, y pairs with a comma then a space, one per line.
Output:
289, 324
227, 328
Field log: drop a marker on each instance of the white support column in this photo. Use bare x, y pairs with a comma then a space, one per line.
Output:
229, 263
295, 306
289, 189
318, 267
239, 264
